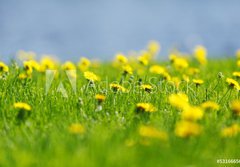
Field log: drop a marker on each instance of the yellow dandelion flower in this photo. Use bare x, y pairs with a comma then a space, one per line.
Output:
22, 106
232, 83
127, 69
146, 87
117, 87
210, 105
28, 67
76, 128
91, 76
68, 66
186, 129
84, 64
151, 132
180, 63
192, 113
200, 54
120, 58
47, 63
230, 131
235, 107
236, 74
100, 98
166, 76
179, 100
144, 58
156, 69
146, 107
154, 47
172, 57
3, 67
34, 64
198, 82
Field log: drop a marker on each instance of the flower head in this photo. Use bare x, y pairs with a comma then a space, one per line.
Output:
235, 107
117, 87
84, 64
187, 128
100, 98
147, 88
90, 76
146, 107
3, 67
230, 131
154, 47
156, 69
192, 113
68, 66
232, 83
127, 69
236, 74
200, 54
179, 100
210, 105
121, 58
198, 82
22, 106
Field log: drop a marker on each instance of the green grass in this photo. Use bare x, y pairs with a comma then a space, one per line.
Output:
44, 139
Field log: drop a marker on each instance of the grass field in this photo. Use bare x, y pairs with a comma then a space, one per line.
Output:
182, 112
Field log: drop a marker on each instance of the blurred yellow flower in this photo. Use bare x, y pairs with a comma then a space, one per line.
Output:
90, 76
236, 74
68, 66
192, 113
151, 132
100, 98
156, 69
144, 58
84, 64
3, 67
28, 67
47, 63
232, 83
120, 58
186, 129
22, 106
127, 69
198, 82
154, 47
180, 63
200, 54
76, 128
146, 87
179, 100
146, 107
230, 131
235, 107
210, 105
117, 87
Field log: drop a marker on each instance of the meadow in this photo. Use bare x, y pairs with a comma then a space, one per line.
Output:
132, 111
